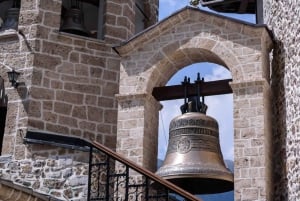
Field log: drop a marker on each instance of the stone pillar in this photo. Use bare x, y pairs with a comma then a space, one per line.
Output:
137, 129
151, 10
252, 132
119, 20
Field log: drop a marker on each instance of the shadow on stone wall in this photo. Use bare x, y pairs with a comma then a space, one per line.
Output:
3, 110
279, 128
24, 93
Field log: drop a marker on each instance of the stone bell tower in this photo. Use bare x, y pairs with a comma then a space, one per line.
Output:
99, 86
66, 87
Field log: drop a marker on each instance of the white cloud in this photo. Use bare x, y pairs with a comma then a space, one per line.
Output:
220, 107
218, 73
170, 110
171, 3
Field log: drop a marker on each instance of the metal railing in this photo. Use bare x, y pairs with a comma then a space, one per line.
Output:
113, 177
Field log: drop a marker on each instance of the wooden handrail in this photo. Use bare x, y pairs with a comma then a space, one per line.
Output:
144, 171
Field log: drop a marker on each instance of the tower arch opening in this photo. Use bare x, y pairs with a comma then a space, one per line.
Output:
220, 107
190, 36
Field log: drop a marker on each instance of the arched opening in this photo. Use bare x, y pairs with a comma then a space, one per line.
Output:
220, 107
152, 58
83, 17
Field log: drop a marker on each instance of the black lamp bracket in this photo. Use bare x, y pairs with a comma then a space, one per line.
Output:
13, 77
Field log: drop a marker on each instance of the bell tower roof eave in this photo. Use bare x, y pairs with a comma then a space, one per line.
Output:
180, 16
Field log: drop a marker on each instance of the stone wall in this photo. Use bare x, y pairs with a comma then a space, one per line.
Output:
16, 52
68, 82
62, 178
74, 82
67, 86
151, 10
282, 18
119, 20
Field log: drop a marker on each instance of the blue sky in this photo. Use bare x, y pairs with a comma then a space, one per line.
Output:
219, 107
167, 7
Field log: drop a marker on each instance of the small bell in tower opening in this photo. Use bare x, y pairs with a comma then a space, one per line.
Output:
73, 20
194, 160
11, 20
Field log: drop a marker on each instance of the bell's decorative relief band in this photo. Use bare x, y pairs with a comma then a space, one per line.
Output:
193, 131
193, 122
185, 144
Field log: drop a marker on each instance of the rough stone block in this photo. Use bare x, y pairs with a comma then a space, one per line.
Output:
51, 19
249, 194
95, 114
46, 61
69, 97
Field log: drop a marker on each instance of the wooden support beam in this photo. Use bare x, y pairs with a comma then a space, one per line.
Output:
207, 89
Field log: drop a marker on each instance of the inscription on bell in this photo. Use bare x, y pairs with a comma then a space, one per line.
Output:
193, 132
193, 122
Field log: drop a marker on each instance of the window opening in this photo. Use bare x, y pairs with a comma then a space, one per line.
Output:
9, 14
82, 17
220, 107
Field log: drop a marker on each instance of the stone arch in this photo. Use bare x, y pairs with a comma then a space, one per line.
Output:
175, 57
151, 58
162, 64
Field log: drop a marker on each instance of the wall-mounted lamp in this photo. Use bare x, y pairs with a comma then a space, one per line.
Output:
13, 77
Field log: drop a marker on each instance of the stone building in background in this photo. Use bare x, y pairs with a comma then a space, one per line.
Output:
95, 82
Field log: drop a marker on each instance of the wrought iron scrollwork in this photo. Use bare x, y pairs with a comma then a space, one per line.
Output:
112, 180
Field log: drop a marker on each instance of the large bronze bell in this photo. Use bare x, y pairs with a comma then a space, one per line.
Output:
194, 160
73, 21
